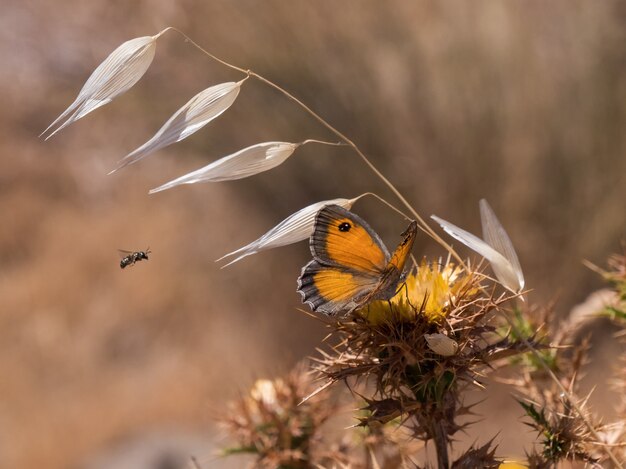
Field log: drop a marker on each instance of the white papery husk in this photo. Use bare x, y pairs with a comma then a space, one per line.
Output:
195, 114
505, 266
296, 227
244, 163
114, 76
496, 236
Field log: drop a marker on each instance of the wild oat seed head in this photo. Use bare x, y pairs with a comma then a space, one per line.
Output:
295, 228
195, 114
497, 248
496, 236
113, 77
242, 164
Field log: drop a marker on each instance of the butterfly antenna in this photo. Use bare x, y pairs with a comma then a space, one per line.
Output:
408, 300
388, 204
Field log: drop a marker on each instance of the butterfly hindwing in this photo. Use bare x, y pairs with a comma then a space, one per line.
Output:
344, 239
332, 289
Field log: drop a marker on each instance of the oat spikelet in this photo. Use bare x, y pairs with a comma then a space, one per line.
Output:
441, 344
247, 162
496, 237
252, 160
195, 114
497, 247
296, 227
113, 77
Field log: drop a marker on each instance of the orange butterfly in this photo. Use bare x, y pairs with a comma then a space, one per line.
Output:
351, 266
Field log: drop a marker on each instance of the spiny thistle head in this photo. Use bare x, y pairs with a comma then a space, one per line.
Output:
280, 422
564, 433
421, 348
272, 423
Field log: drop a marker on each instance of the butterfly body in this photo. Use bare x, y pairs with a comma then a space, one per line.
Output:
351, 266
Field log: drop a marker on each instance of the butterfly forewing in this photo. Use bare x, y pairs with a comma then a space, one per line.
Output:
344, 239
401, 254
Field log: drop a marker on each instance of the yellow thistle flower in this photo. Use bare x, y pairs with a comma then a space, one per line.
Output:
512, 465
429, 290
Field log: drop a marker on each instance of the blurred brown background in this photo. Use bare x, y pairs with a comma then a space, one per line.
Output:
523, 103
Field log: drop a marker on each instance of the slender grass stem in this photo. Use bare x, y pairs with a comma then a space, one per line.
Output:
332, 144
391, 206
339, 134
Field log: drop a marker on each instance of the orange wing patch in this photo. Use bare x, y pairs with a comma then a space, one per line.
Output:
336, 285
343, 239
354, 248
401, 254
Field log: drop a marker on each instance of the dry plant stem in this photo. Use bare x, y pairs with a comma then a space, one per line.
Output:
391, 206
349, 142
441, 445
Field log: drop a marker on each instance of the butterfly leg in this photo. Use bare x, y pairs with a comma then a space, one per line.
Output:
408, 300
